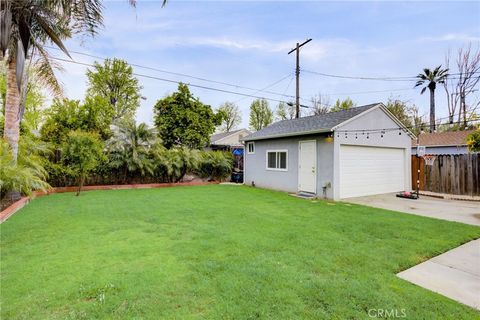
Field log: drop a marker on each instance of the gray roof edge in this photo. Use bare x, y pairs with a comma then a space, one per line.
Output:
231, 133
442, 145
285, 135
387, 112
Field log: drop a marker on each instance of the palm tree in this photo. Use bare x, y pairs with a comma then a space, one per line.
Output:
129, 147
26, 26
430, 79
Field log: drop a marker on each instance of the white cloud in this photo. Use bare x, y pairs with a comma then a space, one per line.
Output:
460, 37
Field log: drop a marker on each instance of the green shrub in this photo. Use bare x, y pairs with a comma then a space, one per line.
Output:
82, 152
24, 176
172, 164
216, 165
473, 141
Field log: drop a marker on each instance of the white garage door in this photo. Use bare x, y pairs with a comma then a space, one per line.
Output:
371, 170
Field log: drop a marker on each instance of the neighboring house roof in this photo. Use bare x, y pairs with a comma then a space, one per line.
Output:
216, 139
312, 124
454, 138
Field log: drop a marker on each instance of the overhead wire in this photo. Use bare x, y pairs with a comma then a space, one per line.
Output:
380, 130
177, 82
267, 87
402, 78
178, 73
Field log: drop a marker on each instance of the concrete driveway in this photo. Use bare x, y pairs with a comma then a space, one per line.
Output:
453, 210
455, 274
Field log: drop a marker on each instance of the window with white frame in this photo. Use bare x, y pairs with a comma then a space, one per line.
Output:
277, 160
251, 147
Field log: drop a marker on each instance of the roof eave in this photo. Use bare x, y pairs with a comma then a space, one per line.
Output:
234, 132
441, 145
285, 135
384, 108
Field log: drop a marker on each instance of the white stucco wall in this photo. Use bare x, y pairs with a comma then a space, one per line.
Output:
372, 120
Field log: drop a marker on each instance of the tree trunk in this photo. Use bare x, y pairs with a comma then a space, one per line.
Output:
80, 185
432, 110
125, 173
11, 131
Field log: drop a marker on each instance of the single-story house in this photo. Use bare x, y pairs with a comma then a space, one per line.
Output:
350, 153
437, 143
230, 141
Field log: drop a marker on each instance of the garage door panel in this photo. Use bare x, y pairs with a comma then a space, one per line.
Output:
370, 170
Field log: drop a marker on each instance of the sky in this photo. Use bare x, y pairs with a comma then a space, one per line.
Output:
245, 44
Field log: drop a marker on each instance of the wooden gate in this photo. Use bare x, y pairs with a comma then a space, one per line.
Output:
451, 174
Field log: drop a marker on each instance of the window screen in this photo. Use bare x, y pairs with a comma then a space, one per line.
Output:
251, 147
282, 160
277, 160
272, 160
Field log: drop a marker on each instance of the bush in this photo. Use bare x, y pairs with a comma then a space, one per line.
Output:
169, 165
24, 176
216, 165
82, 152
473, 141
172, 164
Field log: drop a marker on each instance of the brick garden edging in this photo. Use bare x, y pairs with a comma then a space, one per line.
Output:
14, 207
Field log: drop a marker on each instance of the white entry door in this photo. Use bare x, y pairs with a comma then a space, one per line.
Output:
307, 166
371, 170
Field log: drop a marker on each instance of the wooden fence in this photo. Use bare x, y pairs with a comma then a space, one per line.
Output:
451, 174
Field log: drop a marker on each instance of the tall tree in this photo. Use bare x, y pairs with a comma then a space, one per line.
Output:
114, 81
183, 120
231, 116
33, 104
285, 111
320, 105
27, 25
429, 79
68, 115
461, 88
400, 110
261, 115
343, 105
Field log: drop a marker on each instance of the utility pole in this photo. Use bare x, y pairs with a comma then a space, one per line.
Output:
297, 75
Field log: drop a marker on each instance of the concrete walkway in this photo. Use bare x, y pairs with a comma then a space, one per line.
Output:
454, 274
453, 210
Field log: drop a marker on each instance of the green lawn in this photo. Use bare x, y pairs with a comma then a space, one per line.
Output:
221, 252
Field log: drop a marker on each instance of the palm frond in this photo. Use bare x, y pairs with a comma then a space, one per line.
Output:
44, 70
51, 34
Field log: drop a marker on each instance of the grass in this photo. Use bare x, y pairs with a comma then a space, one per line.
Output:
217, 252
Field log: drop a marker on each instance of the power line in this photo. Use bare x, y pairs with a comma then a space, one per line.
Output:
288, 86
267, 87
383, 130
401, 79
356, 78
366, 92
177, 82
179, 74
